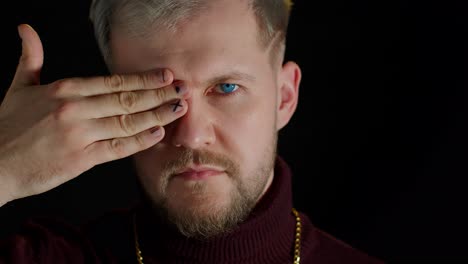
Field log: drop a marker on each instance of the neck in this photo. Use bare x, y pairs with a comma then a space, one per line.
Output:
267, 185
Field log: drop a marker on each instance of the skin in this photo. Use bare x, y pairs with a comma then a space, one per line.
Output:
51, 133
233, 132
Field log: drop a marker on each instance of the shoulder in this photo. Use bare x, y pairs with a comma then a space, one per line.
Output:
47, 240
107, 223
321, 247
106, 239
112, 234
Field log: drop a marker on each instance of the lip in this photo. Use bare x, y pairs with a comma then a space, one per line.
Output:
198, 173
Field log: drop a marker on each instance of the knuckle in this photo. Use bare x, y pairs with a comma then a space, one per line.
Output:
161, 95
24, 59
127, 124
117, 146
63, 111
128, 101
157, 116
140, 141
62, 87
114, 82
144, 80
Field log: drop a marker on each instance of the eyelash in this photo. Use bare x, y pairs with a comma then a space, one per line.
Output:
238, 90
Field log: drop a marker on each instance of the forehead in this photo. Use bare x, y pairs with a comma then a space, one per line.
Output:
223, 35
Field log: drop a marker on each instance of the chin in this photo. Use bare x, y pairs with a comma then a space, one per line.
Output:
199, 209
203, 215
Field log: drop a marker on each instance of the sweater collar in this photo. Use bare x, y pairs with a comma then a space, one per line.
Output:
267, 232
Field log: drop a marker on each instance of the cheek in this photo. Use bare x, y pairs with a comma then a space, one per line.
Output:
248, 124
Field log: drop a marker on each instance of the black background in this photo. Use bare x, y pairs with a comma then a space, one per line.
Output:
378, 143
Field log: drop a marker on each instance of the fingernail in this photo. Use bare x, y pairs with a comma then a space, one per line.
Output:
181, 89
156, 131
165, 75
20, 32
177, 106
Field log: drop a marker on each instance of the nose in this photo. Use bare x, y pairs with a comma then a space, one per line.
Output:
195, 129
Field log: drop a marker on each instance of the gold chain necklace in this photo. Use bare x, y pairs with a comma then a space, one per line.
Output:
297, 240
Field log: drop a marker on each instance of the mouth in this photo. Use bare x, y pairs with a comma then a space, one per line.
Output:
198, 173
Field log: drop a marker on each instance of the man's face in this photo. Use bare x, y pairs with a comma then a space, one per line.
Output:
231, 131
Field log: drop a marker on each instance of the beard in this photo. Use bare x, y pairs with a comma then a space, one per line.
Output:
206, 217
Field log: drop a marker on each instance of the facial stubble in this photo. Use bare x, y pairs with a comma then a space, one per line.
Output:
206, 217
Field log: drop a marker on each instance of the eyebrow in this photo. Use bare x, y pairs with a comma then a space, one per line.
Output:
234, 75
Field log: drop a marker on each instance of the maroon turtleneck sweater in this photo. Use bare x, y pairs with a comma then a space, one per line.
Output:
267, 236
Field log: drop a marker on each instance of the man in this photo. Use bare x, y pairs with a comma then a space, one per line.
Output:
198, 94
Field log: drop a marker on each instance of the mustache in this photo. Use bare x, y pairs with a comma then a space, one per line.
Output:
186, 157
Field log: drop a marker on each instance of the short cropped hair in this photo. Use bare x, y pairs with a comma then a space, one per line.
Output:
138, 16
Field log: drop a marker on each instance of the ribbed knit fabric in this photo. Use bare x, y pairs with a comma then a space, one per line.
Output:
265, 237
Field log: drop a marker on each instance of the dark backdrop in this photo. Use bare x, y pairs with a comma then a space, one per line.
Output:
378, 144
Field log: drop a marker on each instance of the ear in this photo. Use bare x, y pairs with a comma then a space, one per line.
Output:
288, 93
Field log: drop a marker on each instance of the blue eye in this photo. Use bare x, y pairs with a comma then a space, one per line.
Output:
228, 87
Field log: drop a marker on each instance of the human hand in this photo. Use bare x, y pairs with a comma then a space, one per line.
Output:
51, 133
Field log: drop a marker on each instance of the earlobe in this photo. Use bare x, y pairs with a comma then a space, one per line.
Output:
288, 94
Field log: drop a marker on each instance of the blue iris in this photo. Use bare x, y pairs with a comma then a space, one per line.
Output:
228, 87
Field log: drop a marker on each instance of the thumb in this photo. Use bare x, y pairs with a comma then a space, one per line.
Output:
32, 57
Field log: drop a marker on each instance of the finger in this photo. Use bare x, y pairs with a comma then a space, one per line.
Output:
32, 58
80, 87
117, 148
129, 125
114, 104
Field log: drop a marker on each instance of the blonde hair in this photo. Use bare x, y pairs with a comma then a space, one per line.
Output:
139, 15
